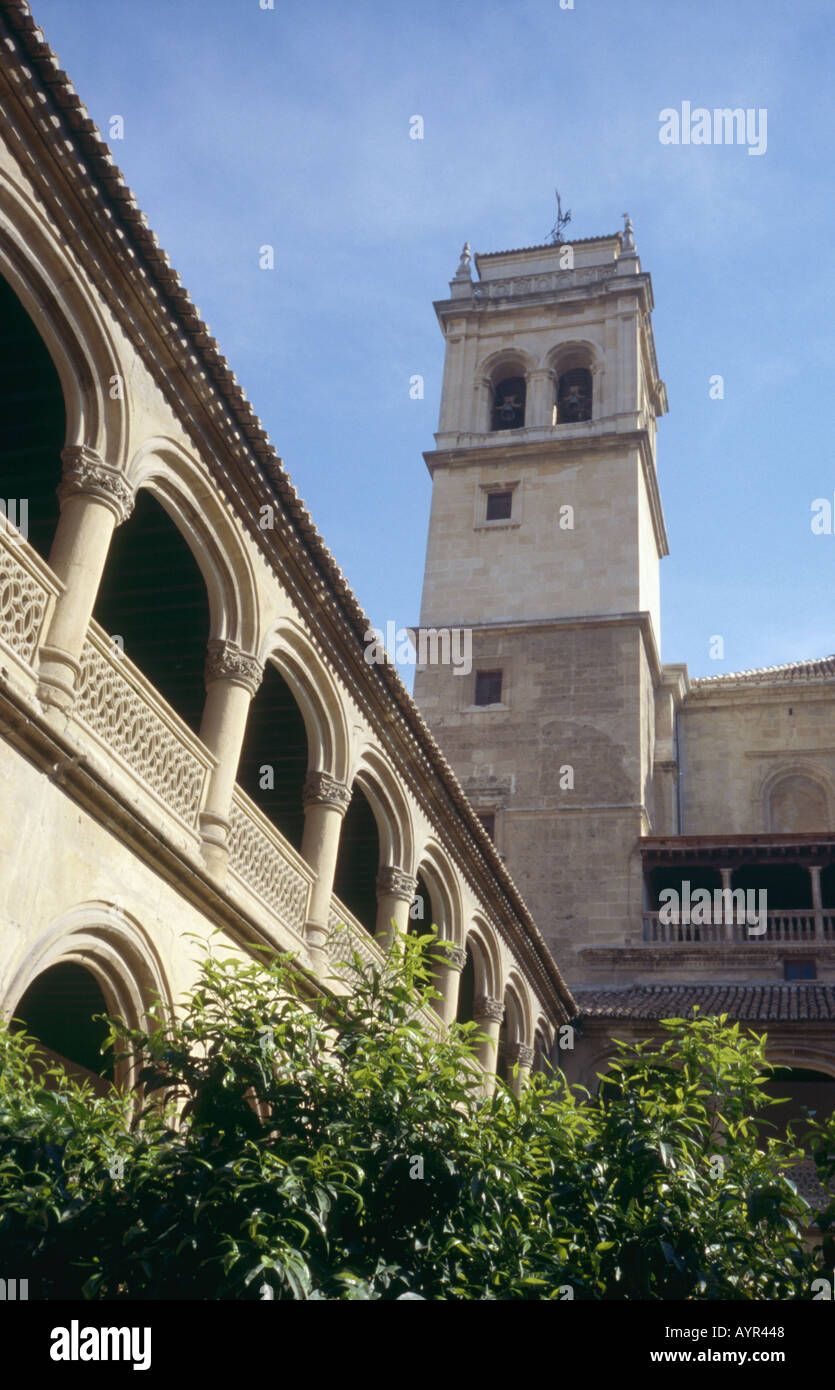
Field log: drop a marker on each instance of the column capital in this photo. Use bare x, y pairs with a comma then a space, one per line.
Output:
455, 956
87, 475
488, 1010
521, 1053
320, 789
396, 882
226, 662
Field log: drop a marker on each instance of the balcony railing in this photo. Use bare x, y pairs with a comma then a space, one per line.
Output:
267, 864
138, 730
802, 926
26, 590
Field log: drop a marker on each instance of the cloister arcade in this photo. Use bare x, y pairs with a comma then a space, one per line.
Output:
145, 631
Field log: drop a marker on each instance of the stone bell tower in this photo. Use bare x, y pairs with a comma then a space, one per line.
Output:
545, 535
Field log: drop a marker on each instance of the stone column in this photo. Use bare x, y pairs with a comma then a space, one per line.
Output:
520, 1056
232, 678
488, 1014
817, 901
325, 801
395, 895
728, 931
447, 978
95, 499
539, 407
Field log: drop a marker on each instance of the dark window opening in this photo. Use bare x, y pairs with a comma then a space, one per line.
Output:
574, 396
153, 596
509, 404
58, 1010
355, 881
420, 910
499, 506
799, 970
488, 687
787, 886
34, 425
274, 758
488, 820
466, 991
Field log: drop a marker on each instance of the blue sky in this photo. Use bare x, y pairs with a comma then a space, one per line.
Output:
290, 126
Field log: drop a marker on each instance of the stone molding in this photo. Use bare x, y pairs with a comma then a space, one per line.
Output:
87, 475
226, 661
320, 789
488, 1010
396, 882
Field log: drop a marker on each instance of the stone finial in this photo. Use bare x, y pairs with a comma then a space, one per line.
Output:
320, 789
397, 882
488, 1010
87, 475
226, 661
463, 271
627, 235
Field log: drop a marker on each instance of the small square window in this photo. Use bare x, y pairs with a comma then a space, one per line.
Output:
799, 970
499, 506
488, 687
488, 820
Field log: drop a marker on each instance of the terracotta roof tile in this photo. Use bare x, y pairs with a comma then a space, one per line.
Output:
790, 673
755, 1003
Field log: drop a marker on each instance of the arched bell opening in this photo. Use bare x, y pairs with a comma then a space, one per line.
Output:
508, 408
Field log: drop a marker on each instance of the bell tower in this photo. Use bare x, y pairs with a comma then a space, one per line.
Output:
545, 535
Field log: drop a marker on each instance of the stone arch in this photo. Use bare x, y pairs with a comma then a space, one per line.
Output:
70, 323
118, 953
435, 868
577, 362
503, 365
518, 1011
482, 939
796, 798
392, 811
168, 473
321, 702
543, 1044
580, 350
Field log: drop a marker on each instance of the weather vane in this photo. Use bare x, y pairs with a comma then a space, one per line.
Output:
563, 219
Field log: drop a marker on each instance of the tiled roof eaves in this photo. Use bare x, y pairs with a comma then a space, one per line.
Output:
95, 155
766, 1003
791, 672
546, 246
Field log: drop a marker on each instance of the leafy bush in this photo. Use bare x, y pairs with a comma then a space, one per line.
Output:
302, 1146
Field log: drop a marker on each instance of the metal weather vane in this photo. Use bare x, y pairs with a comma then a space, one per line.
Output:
563, 219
